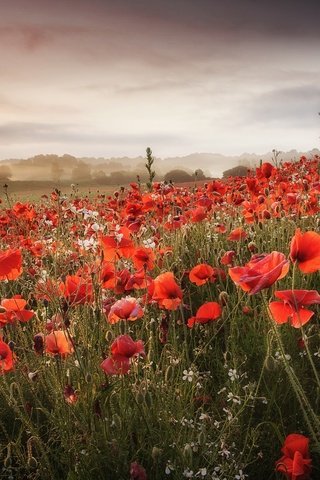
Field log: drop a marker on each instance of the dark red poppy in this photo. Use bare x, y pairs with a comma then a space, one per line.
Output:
6, 358
295, 463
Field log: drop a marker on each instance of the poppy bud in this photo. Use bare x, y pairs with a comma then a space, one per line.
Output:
140, 398
252, 247
223, 298
32, 462
38, 343
271, 363
148, 399
109, 336
168, 373
117, 421
156, 453
202, 438
187, 452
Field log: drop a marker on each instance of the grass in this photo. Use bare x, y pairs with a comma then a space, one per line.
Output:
215, 401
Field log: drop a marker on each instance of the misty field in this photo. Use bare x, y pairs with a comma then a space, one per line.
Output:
163, 331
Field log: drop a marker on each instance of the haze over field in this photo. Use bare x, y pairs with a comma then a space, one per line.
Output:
107, 79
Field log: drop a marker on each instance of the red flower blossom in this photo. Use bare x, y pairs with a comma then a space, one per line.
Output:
200, 274
14, 310
305, 250
58, 343
124, 345
237, 234
10, 264
122, 350
125, 309
6, 358
165, 291
143, 258
261, 272
116, 365
291, 309
117, 245
77, 290
295, 463
206, 313
228, 257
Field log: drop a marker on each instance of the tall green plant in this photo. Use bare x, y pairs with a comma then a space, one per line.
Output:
148, 165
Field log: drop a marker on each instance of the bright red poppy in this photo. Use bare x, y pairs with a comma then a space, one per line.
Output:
6, 358
165, 291
117, 245
77, 290
14, 310
291, 309
10, 264
305, 250
58, 343
208, 312
261, 272
200, 274
143, 258
238, 234
295, 463
228, 257
126, 308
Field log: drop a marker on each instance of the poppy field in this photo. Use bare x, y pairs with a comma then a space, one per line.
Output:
163, 332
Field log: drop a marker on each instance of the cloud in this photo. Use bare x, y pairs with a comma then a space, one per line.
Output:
295, 106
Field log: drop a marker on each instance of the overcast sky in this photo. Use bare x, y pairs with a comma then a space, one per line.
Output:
111, 77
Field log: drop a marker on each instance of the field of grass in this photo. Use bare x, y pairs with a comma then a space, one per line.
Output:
167, 332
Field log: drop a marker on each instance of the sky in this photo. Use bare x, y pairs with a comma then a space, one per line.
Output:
112, 77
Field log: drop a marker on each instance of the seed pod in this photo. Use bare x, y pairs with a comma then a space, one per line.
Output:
187, 452
117, 421
156, 453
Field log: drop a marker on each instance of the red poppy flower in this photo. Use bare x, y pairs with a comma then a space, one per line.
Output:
10, 264
126, 346
228, 257
295, 463
200, 274
125, 309
143, 258
206, 313
14, 310
267, 169
58, 343
165, 291
6, 358
305, 250
117, 245
77, 290
291, 309
237, 234
116, 365
261, 272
